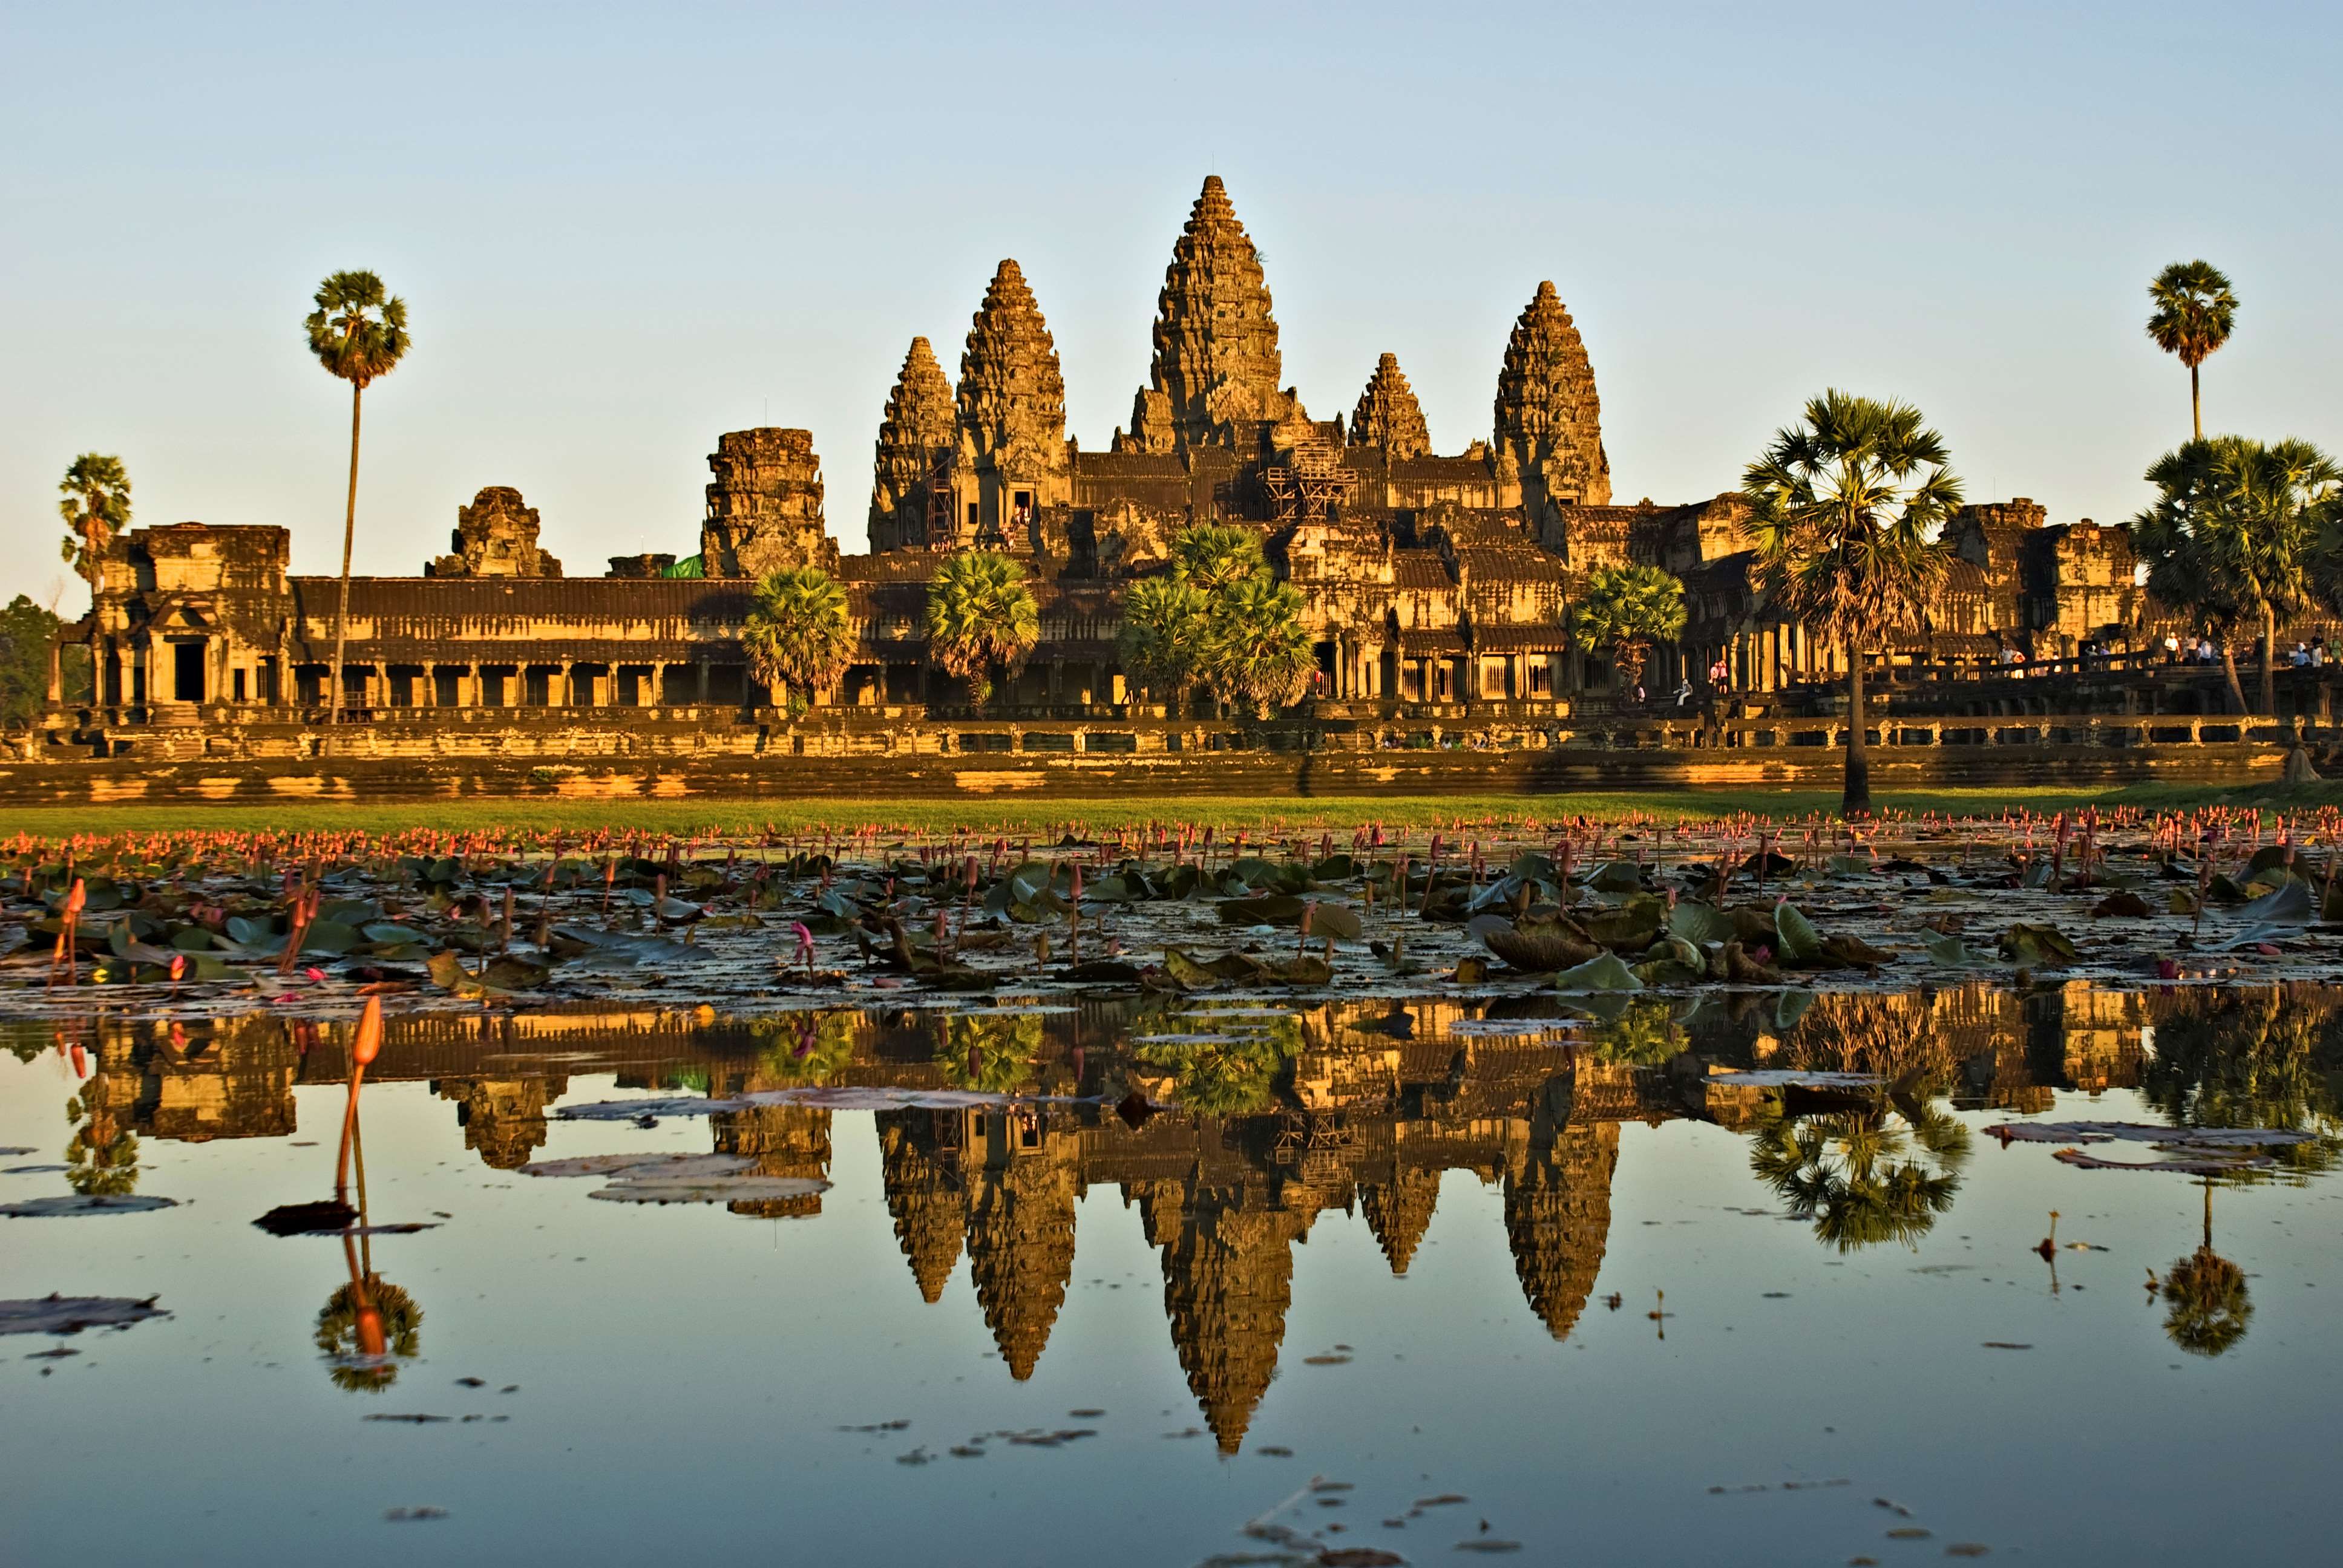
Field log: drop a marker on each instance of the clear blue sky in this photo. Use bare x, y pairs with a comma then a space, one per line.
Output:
622, 230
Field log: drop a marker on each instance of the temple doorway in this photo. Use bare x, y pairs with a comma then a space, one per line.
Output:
186, 672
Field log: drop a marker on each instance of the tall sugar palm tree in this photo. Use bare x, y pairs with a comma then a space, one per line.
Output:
1623, 610
358, 332
2193, 315
1216, 556
96, 508
2235, 534
1845, 509
982, 619
798, 632
1257, 652
1165, 625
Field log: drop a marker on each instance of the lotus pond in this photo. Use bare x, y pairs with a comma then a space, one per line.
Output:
1621, 1192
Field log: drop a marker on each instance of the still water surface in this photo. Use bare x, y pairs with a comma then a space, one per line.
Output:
1414, 1258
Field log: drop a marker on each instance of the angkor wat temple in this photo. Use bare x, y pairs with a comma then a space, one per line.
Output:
1437, 588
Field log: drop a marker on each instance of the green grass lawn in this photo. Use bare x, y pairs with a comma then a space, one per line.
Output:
1028, 817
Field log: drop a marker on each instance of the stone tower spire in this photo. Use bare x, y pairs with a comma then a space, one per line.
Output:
1216, 359
1012, 395
1388, 416
924, 1198
1020, 1253
1558, 1220
1398, 1214
1549, 420
916, 437
1228, 1279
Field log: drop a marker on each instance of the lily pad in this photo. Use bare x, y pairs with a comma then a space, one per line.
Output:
65, 1205
72, 1315
1607, 973
1800, 940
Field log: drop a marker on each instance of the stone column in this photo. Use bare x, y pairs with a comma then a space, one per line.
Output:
57, 673
566, 695
703, 682
659, 683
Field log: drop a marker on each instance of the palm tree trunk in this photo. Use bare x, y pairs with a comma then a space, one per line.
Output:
1856, 799
2269, 661
2229, 669
349, 537
2196, 408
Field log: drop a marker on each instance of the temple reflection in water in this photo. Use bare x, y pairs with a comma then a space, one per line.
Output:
1359, 1106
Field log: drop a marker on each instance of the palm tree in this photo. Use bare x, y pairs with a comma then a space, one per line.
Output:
96, 508
798, 632
1844, 520
1257, 652
1165, 622
2235, 534
982, 619
2193, 314
359, 348
1625, 610
1216, 556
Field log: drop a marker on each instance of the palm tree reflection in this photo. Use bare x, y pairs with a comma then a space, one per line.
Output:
2207, 1307
994, 1053
102, 1158
2264, 1057
1882, 1171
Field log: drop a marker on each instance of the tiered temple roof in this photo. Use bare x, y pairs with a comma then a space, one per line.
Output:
1217, 367
1388, 416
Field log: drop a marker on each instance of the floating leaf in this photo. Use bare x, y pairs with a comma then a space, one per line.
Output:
1340, 921
65, 1205
1538, 950
1273, 909
2033, 947
72, 1315
1955, 953
1701, 923
1800, 940
2290, 905
1607, 973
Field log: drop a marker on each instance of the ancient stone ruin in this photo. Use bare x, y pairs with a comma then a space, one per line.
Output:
496, 537
764, 508
1437, 590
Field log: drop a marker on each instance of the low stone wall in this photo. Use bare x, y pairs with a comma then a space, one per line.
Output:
595, 772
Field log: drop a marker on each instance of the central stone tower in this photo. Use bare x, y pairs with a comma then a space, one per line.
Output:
1216, 361
1549, 424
